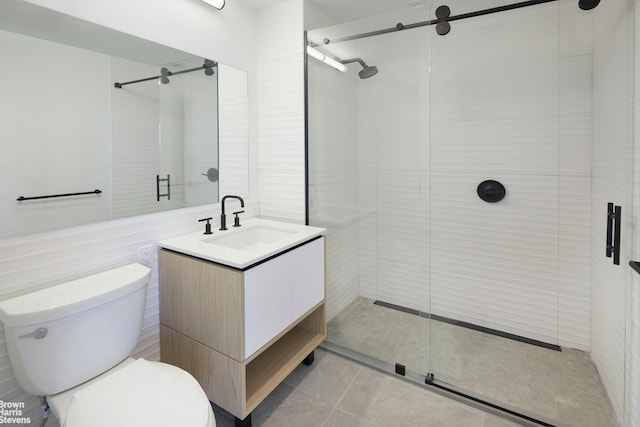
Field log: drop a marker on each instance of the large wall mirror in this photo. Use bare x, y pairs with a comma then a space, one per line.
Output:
138, 127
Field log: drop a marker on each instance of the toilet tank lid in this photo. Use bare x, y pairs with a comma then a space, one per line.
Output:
75, 296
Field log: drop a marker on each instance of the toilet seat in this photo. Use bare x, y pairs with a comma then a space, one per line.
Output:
141, 393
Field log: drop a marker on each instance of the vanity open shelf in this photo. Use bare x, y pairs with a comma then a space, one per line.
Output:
240, 332
278, 360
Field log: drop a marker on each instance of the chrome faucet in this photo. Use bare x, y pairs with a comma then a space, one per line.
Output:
223, 217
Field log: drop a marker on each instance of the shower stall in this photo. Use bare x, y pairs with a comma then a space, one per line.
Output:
465, 187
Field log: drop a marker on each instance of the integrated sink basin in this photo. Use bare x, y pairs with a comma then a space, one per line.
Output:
250, 238
242, 247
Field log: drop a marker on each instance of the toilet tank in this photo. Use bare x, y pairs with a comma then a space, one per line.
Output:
91, 325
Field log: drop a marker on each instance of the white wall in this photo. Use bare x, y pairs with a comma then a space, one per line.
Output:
280, 63
42, 260
612, 182
233, 114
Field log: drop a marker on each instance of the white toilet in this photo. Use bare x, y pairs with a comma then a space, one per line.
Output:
72, 342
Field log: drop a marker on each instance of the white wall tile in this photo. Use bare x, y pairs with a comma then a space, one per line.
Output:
611, 182
575, 29
233, 142
281, 133
333, 179
576, 116
632, 389
574, 274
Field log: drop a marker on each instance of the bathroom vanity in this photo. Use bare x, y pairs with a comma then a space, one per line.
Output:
239, 310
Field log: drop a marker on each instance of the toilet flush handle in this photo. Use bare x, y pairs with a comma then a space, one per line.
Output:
37, 334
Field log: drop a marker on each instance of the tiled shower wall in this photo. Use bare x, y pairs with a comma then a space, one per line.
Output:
613, 67
441, 116
519, 113
333, 178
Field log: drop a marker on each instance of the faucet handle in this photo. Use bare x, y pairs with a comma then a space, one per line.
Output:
236, 220
207, 226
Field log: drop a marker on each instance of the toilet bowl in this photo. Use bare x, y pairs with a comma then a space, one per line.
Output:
71, 343
135, 393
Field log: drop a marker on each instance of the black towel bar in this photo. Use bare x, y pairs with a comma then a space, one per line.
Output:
22, 198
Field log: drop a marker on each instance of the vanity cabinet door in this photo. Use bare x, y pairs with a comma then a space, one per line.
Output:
307, 271
267, 302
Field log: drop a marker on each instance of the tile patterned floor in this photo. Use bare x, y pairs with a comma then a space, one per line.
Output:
336, 392
562, 386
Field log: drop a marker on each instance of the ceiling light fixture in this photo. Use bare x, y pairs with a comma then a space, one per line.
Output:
218, 4
327, 60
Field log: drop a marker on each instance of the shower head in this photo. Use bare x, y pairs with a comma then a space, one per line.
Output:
367, 70
588, 4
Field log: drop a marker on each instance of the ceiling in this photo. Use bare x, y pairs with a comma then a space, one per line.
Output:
343, 10
351, 10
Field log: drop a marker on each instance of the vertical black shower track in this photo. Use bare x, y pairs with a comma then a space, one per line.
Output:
401, 27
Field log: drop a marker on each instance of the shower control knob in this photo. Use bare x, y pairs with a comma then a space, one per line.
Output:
491, 191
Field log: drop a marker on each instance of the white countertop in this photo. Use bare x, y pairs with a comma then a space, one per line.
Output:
204, 246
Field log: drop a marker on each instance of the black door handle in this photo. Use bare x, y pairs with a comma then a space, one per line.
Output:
614, 217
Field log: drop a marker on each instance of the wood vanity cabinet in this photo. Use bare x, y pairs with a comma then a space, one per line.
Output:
241, 332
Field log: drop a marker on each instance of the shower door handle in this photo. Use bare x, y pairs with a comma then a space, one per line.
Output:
609, 229
614, 217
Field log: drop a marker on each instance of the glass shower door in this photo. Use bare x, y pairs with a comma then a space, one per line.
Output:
509, 202
369, 180
459, 193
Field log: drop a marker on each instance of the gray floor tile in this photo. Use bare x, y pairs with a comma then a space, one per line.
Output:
493, 421
327, 379
336, 392
564, 386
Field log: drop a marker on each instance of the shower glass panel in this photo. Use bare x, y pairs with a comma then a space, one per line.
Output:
456, 187
368, 173
189, 134
497, 115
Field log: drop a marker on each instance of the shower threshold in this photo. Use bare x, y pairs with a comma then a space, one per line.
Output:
446, 390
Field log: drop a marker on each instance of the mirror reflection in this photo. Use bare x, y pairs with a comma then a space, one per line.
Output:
86, 109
